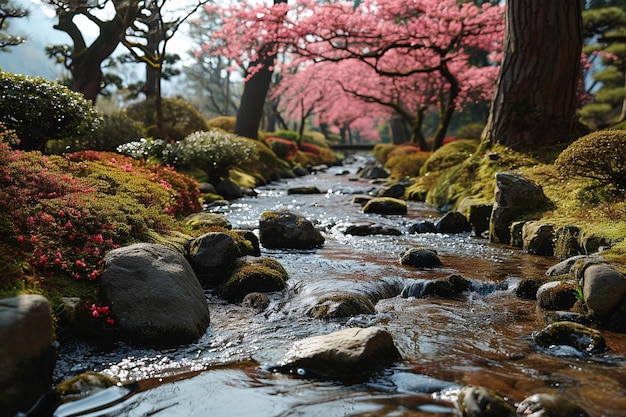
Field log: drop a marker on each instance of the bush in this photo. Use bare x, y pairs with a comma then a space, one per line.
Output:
225, 123
181, 118
214, 152
62, 214
116, 129
599, 156
470, 131
286, 134
449, 155
283, 148
39, 110
407, 164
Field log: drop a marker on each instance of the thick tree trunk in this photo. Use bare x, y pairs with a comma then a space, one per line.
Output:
535, 99
254, 94
397, 130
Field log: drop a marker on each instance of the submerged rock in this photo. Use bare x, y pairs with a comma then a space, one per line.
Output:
371, 229
283, 229
483, 402
154, 295
347, 354
421, 258
303, 190
549, 405
385, 205
27, 352
582, 338
448, 287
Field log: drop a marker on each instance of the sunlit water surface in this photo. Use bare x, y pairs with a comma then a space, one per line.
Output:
482, 338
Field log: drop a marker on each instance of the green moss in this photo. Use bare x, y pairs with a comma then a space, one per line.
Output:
261, 277
448, 155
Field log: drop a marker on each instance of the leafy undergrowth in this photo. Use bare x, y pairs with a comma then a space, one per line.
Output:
62, 214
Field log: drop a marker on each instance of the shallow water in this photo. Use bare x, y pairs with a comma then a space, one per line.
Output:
481, 338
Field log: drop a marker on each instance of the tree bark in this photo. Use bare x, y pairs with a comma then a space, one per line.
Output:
535, 99
254, 94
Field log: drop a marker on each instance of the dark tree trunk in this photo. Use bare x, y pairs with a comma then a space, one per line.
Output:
87, 60
535, 99
447, 107
397, 130
254, 93
417, 136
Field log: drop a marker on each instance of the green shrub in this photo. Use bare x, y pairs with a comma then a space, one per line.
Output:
286, 134
470, 131
406, 165
39, 110
181, 118
599, 156
448, 155
215, 152
116, 128
226, 123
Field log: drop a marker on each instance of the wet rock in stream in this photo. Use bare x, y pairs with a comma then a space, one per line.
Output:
549, 405
574, 335
283, 229
351, 353
371, 229
385, 205
448, 287
342, 306
421, 258
483, 402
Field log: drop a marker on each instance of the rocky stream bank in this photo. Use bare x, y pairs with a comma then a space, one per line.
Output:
377, 301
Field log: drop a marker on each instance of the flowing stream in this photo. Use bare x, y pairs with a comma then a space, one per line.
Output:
481, 338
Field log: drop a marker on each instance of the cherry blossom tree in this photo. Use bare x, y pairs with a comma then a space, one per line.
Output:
397, 43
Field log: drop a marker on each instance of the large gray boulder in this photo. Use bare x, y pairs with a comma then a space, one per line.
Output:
284, 229
538, 238
154, 295
515, 196
604, 289
345, 354
27, 353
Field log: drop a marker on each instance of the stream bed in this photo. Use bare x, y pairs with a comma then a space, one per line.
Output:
482, 338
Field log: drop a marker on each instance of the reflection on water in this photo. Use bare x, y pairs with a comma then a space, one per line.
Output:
481, 338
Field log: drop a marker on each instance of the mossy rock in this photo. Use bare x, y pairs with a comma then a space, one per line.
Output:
483, 402
582, 338
261, 276
385, 205
342, 306
207, 219
84, 384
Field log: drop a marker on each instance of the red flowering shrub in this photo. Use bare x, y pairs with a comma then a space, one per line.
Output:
61, 215
283, 148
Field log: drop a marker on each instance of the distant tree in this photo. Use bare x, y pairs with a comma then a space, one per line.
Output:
8, 10
536, 96
85, 61
209, 76
146, 39
605, 49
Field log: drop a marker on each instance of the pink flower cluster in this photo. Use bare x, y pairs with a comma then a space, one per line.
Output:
104, 312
